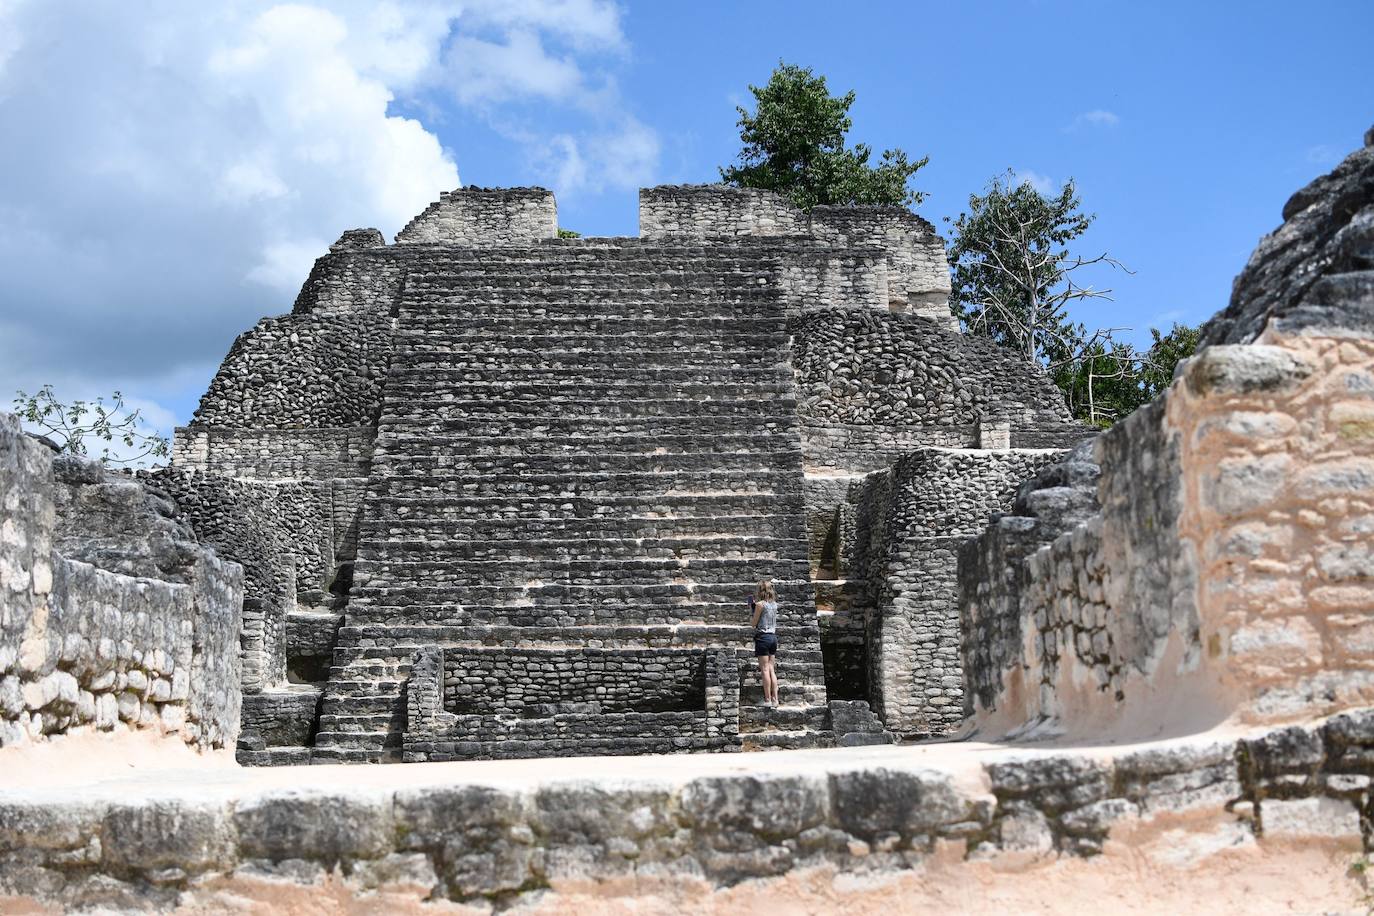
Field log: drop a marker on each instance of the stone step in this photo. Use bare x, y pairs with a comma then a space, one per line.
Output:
409, 398
737, 331
791, 718
346, 684
791, 693
401, 643
587, 434
436, 440
722, 625
543, 257
455, 371
359, 723
273, 756
793, 596
613, 549
433, 291
358, 705
444, 461
598, 485
747, 250
553, 345
515, 530
573, 355
389, 506
786, 740
332, 755
355, 741
401, 416
532, 576
482, 301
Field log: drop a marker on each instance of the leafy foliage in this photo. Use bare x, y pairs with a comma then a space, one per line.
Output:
72, 425
568, 233
1013, 277
794, 143
1107, 379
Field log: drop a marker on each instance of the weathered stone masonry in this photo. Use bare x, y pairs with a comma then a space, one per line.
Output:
1221, 559
112, 617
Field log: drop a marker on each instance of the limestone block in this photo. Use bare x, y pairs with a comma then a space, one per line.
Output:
1237, 369
1303, 818
280, 825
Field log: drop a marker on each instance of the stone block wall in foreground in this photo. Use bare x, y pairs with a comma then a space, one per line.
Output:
1228, 568
112, 617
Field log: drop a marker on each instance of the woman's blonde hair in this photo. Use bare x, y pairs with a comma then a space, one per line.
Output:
765, 591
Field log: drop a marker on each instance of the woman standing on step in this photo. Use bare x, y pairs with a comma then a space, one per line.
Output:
765, 623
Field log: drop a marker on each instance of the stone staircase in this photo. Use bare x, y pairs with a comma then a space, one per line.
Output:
585, 444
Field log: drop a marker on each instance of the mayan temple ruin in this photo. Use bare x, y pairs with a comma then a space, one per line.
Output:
488, 494
498, 493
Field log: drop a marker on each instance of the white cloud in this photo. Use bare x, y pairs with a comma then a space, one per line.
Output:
170, 170
1042, 183
1098, 117
625, 157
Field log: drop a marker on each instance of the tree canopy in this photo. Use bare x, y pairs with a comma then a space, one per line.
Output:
1013, 273
794, 143
1107, 379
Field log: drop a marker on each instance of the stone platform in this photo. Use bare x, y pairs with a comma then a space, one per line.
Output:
546, 833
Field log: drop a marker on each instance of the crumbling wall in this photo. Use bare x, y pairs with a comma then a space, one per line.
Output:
140, 632
716, 210
915, 269
484, 217
1230, 560
918, 272
911, 520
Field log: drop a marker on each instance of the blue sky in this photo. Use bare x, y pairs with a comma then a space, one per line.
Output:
179, 171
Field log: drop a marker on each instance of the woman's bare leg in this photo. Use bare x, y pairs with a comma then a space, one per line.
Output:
771, 688
763, 676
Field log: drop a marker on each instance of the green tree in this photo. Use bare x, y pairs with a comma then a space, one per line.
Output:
1164, 355
70, 426
794, 143
1013, 273
1106, 380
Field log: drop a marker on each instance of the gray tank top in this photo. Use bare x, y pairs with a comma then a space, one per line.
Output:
768, 619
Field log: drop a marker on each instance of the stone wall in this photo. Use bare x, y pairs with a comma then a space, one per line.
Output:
301, 371
111, 615
1229, 561
351, 278
874, 386
1181, 819
911, 521
485, 217
291, 541
513, 682
466, 703
916, 271
276, 454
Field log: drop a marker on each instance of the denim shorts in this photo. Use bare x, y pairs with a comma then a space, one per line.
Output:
765, 644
